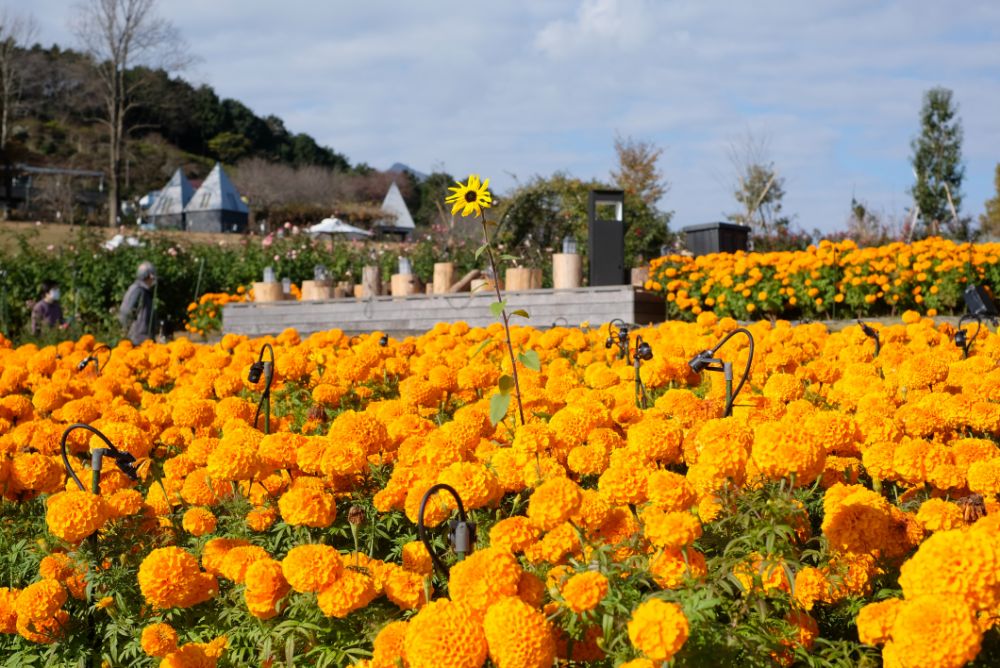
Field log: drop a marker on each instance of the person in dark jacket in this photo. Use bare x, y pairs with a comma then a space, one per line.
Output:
136, 312
46, 312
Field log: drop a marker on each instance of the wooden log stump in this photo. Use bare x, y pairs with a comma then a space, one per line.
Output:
405, 284
444, 277
316, 290
267, 292
519, 278
567, 270
371, 284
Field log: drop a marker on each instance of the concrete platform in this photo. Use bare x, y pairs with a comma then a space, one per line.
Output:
418, 313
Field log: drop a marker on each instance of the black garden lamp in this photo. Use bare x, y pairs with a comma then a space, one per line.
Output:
257, 369
92, 357
962, 338
707, 361
643, 353
871, 333
461, 532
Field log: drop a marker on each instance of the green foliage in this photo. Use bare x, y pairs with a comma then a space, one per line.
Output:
937, 161
989, 220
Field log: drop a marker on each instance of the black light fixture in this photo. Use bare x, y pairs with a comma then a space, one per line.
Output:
126, 464
461, 532
619, 338
265, 369
707, 361
643, 353
871, 333
124, 460
92, 357
962, 339
383, 340
980, 302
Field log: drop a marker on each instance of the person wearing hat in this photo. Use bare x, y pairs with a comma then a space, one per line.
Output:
136, 312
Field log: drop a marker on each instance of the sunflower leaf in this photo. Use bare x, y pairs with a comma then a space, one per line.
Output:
521, 312
498, 408
496, 308
530, 360
480, 347
481, 250
506, 384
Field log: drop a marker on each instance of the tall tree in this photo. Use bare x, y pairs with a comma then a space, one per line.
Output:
937, 162
638, 170
758, 190
119, 35
989, 221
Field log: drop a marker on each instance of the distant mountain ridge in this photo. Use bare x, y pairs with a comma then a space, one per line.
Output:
399, 168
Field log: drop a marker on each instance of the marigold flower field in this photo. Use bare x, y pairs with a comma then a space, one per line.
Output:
846, 514
828, 280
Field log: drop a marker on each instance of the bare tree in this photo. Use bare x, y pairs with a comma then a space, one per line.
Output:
120, 35
15, 32
758, 189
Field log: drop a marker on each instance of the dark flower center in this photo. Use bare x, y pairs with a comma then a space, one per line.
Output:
471, 196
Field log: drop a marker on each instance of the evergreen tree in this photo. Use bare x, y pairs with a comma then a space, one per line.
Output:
937, 161
989, 222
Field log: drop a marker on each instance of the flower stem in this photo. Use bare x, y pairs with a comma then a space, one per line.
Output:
506, 318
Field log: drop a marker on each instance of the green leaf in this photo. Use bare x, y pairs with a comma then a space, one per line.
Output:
521, 312
508, 258
481, 250
506, 384
499, 404
496, 308
530, 360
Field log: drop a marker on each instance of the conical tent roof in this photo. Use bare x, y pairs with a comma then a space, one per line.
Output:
174, 196
394, 204
217, 193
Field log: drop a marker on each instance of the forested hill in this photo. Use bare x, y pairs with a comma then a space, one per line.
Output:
174, 124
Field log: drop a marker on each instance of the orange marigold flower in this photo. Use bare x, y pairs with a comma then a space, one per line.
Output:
514, 534
670, 530
265, 587
670, 567
307, 506
158, 640
875, 621
389, 645
351, 591
310, 568
40, 601
234, 565
169, 577
658, 629
584, 591
518, 635
198, 521
417, 559
8, 611
444, 633
76, 514
483, 578
553, 502
954, 563
937, 631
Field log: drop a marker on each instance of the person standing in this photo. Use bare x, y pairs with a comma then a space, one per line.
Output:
46, 312
136, 312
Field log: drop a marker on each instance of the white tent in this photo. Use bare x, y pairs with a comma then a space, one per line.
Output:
337, 226
399, 221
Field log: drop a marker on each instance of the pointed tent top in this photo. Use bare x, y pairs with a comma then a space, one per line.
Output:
217, 193
174, 196
394, 204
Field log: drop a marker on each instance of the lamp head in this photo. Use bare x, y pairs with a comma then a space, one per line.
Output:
961, 339
384, 340
609, 342
700, 361
83, 363
256, 371
868, 330
644, 351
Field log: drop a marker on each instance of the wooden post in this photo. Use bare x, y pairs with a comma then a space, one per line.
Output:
519, 278
371, 284
316, 290
567, 270
444, 276
639, 276
536, 279
404, 284
267, 292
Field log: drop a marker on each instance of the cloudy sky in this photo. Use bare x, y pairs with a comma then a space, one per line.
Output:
529, 87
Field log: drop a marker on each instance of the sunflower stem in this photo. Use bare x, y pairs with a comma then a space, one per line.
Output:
504, 316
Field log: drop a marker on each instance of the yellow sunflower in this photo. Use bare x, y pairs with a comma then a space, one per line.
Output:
470, 197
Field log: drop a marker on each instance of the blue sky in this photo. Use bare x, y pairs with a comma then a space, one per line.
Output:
528, 87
